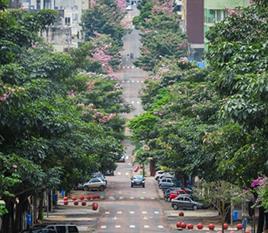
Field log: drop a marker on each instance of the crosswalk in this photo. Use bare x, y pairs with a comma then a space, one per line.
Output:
125, 198
132, 226
131, 81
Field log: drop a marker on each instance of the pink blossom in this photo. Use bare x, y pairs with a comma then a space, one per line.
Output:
260, 181
4, 97
71, 93
121, 4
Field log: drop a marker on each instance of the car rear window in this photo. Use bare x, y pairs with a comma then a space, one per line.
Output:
72, 229
61, 229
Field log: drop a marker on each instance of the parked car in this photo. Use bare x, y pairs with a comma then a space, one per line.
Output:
53, 228
99, 175
166, 182
109, 173
95, 183
173, 194
137, 181
185, 202
164, 176
39, 231
158, 174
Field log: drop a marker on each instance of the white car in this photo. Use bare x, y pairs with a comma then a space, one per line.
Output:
95, 183
158, 173
165, 175
129, 8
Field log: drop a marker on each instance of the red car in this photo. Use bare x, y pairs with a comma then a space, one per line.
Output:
175, 193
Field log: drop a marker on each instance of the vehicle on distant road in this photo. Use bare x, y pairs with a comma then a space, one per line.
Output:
95, 184
122, 159
129, 8
137, 181
185, 202
173, 194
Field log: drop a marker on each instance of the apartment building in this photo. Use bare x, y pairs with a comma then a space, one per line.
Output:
67, 32
199, 15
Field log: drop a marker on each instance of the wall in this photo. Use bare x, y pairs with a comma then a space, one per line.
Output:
195, 21
222, 4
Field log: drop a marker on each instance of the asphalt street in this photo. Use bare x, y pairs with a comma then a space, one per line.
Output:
129, 209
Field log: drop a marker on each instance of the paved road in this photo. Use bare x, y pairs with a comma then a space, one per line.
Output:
129, 209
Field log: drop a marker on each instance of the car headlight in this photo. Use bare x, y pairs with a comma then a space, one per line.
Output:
143, 181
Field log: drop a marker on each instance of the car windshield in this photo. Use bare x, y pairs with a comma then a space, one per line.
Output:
138, 177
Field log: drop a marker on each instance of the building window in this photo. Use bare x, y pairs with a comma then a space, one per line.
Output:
213, 16
67, 21
38, 4
47, 4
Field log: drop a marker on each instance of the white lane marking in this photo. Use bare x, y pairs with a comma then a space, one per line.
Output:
143, 192
146, 226
152, 198
120, 192
142, 198
132, 198
133, 81
144, 212
103, 227
138, 81
133, 67
142, 81
145, 218
127, 157
138, 102
119, 212
119, 173
132, 226
128, 81
160, 226
132, 102
121, 198
117, 226
156, 212
107, 212
127, 173
132, 212
112, 198
115, 218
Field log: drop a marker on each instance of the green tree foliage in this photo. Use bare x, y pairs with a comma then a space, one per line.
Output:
212, 122
104, 18
161, 36
57, 125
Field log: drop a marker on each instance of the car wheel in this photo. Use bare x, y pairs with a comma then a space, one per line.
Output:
194, 207
143, 185
175, 207
86, 189
102, 188
131, 185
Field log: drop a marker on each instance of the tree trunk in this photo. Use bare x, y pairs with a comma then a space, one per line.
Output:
8, 219
266, 222
40, 207
21, 208
260, 220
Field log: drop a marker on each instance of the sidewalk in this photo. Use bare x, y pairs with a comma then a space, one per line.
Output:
84, 217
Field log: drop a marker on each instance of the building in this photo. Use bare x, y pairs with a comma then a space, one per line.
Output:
67, 32
217, 10
198, 15
194, 27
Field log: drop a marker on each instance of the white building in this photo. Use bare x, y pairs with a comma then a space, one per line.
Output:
67, 32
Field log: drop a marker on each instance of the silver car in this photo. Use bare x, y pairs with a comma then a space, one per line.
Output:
95, 183
185, 202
